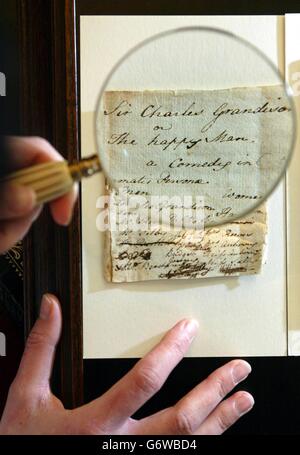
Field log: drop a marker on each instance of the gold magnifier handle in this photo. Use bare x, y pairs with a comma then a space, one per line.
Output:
54, 179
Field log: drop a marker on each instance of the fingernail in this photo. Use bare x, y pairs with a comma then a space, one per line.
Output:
67, 221
21, 198
244, 403
75, 191
240, 371
66, 218
46, 307
190, 327
37, 212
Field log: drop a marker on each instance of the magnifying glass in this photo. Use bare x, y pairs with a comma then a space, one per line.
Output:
192, 111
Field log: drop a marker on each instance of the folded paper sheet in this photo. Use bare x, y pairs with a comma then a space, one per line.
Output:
224, 147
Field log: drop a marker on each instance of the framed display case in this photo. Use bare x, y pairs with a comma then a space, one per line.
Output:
50, 88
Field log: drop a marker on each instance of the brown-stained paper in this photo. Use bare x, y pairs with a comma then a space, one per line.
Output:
214, 144
228, 250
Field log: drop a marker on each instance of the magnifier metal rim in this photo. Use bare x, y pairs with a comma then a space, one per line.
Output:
251, 46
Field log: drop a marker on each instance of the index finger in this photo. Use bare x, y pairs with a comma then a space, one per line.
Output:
27, 151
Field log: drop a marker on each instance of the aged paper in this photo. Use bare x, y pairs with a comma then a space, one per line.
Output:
227, 146
229, 250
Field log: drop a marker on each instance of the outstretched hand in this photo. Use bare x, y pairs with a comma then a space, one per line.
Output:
31, 407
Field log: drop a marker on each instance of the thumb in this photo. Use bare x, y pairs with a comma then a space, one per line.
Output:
36, 364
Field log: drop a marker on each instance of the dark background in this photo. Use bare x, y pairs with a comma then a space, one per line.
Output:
275, 382
11, 265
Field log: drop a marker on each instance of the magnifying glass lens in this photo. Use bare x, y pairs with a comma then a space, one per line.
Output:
199, 113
